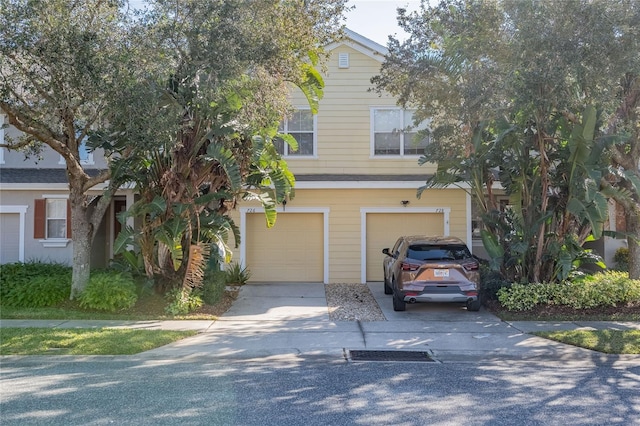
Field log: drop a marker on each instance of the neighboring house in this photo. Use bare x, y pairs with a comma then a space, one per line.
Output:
356, 175
34, 207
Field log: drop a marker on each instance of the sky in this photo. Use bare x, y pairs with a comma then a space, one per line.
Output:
377, 19
374, 19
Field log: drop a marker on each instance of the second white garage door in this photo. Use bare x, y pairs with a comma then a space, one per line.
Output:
9, 238
383, 229
293, 250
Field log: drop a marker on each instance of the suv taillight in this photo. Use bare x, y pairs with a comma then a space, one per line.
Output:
471, 266
406, 266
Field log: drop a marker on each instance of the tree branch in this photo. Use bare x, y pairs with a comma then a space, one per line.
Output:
103, 176
26, 125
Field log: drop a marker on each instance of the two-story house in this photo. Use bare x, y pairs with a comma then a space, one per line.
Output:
356, 174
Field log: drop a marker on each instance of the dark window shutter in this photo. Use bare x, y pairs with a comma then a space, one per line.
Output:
68, 219
39, 219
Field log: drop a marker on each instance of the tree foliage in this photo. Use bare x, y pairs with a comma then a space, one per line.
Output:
527, 94
228, 68
184, 98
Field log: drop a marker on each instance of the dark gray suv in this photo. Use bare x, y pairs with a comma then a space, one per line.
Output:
431, 269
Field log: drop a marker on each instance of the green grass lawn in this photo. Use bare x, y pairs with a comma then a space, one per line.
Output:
73, 312
606, 341
105, 341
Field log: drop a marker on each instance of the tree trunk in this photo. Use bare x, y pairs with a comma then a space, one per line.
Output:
85, 221
81, 261
544, 196
81, 233
633, 227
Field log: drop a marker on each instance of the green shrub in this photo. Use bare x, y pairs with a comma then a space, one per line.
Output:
621, 259
610, 288
34, 284
109, 291
39, 292
236, 274
14, 276
182, 302
213, 287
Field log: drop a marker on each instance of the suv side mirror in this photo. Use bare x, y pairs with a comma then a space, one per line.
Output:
386, 251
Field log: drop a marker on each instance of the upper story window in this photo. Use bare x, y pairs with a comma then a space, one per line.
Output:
302, 126
86, 156
394, 133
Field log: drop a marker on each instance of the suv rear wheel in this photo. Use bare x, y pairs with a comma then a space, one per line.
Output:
474, 306
398, 303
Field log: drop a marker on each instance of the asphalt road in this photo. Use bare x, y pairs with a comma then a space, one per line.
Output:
314, 391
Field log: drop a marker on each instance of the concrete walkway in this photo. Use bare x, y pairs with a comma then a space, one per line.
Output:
292, 319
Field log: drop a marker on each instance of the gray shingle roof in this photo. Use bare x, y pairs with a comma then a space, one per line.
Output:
10, 175
14, 175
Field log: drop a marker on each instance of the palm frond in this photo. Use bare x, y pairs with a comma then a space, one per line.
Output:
196, 265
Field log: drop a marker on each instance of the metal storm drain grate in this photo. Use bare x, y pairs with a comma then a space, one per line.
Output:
363, 355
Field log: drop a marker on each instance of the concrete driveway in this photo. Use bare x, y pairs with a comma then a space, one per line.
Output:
292, 319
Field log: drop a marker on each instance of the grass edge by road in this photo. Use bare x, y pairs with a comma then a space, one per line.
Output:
626, 342
102, 341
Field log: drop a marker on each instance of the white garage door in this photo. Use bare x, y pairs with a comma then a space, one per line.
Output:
9, 238
383, 229
290, 251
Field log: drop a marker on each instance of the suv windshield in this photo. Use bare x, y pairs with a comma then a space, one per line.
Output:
435, 252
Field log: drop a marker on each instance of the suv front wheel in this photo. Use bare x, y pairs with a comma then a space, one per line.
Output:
387, 287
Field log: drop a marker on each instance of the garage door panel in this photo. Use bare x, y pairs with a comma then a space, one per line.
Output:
9, 238
383, 229
293, 250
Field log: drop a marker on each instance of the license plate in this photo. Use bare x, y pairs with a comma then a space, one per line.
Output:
440, 273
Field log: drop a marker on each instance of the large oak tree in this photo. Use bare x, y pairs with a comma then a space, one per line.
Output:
160, 80
63, 67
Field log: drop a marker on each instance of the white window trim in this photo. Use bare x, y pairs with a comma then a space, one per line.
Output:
54, 242
22, 211
315, 137
372, 152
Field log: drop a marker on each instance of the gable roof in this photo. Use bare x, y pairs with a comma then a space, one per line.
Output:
361, 44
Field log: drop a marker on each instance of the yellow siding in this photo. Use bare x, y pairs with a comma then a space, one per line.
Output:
343, 123
345, 238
